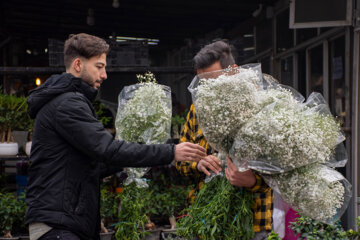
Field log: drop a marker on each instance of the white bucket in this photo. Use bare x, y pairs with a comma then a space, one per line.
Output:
9, 149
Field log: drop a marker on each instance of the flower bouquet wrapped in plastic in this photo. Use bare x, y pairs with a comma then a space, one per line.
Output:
224, 100
316, 191
287, 133
144, 116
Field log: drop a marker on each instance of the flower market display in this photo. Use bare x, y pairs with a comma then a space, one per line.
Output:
144, 116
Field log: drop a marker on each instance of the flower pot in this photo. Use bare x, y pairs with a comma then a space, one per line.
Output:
9, 149
106, 236
154, 234
28, 148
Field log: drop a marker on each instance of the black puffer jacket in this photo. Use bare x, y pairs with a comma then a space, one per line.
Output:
71, 152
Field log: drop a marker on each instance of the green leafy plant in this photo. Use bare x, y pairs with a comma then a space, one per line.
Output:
178, 120
132, 215
103, 114
109, 205
310, 229
273, 236
176, 123
220, 211
12, 213
13, 111
354, 234
166, 199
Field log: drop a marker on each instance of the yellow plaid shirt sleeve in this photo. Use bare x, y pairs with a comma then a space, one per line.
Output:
263, 195
192, 133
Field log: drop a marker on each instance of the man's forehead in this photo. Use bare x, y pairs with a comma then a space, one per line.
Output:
101, 59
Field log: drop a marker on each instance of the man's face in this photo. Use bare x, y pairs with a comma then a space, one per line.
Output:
93, 71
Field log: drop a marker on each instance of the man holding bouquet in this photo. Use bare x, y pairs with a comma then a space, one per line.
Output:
214, 57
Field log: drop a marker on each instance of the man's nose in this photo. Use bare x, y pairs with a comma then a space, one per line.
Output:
103, 75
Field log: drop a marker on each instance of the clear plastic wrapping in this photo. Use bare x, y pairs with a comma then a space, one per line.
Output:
220, 110
315, 191
144, 116
288, 133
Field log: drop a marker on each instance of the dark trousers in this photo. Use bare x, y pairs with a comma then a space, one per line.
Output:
57, 234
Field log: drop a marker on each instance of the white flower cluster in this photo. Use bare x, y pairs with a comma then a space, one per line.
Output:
285, 134
224, 104
315, 191
146, 78
146, 117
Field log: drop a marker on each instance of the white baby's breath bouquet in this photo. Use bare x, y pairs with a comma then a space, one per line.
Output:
316, 191
224, 100
287, 134
144, 116
270, 128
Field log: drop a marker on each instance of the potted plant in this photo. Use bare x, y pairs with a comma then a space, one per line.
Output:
132, 213
12, 111
12, 214
166, 199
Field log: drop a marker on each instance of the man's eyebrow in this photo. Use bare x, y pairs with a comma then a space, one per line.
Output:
102, 64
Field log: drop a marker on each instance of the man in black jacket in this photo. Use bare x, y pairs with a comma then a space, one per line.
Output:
71, 150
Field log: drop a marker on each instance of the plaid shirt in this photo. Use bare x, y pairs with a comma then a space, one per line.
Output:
263, 195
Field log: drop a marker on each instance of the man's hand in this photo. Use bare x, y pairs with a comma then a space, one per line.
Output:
210, 162
189, 152
239, 179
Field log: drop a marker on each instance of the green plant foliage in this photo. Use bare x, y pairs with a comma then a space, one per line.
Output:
354, 234
103, 114
12, 213
220, 211
312, 230
273, 236
178, 120
109, 202
13, 115
166, 199
132, 215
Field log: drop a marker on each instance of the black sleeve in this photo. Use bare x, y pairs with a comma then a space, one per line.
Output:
76, 123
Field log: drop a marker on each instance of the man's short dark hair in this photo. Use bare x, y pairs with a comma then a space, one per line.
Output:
83, 45
211, 53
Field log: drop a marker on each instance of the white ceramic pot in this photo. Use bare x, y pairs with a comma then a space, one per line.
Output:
9, 149
28, 148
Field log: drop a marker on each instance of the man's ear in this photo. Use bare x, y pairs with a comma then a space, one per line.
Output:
77, 65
